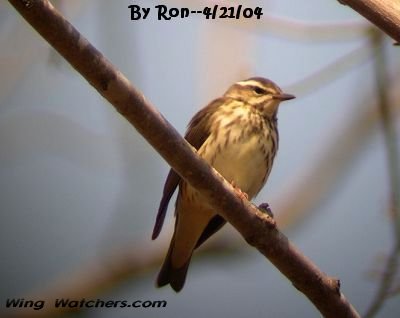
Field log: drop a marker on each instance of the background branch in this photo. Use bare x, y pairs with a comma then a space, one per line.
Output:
332, 71
100, 275
387, 119
296, 30
257, 228
309, 190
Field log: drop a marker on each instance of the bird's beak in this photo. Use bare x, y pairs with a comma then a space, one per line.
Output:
283, 96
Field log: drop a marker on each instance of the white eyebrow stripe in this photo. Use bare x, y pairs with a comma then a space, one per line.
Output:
249, 83
257, 84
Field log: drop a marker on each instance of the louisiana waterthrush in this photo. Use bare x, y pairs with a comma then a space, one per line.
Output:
238, 135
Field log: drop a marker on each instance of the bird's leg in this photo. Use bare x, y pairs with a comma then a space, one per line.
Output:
239, 192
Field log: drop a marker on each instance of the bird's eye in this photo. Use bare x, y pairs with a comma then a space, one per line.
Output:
259, 90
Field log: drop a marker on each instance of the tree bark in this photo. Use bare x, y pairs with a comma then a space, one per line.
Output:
385, 14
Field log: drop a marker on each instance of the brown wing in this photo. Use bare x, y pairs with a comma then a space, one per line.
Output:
196, 134
199, 127
171, 183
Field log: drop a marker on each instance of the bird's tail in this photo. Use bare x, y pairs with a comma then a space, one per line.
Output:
170, 275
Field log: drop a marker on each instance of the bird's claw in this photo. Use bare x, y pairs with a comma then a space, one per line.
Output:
239, 192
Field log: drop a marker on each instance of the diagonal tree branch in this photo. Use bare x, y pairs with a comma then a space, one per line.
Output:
257, 228
383, 13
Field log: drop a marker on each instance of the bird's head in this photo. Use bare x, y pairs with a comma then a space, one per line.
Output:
260, 93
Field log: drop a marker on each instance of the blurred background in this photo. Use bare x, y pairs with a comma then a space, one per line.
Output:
79, 188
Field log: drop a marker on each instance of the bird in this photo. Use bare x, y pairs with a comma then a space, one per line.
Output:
238, 135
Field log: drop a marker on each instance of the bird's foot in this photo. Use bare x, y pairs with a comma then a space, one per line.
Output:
264, 207
239, 192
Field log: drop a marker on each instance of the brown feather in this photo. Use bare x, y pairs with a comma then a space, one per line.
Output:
215, 224
170, 186
199, 127
170, 275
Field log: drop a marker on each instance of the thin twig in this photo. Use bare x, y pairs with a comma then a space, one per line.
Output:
257, 228
392, 154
